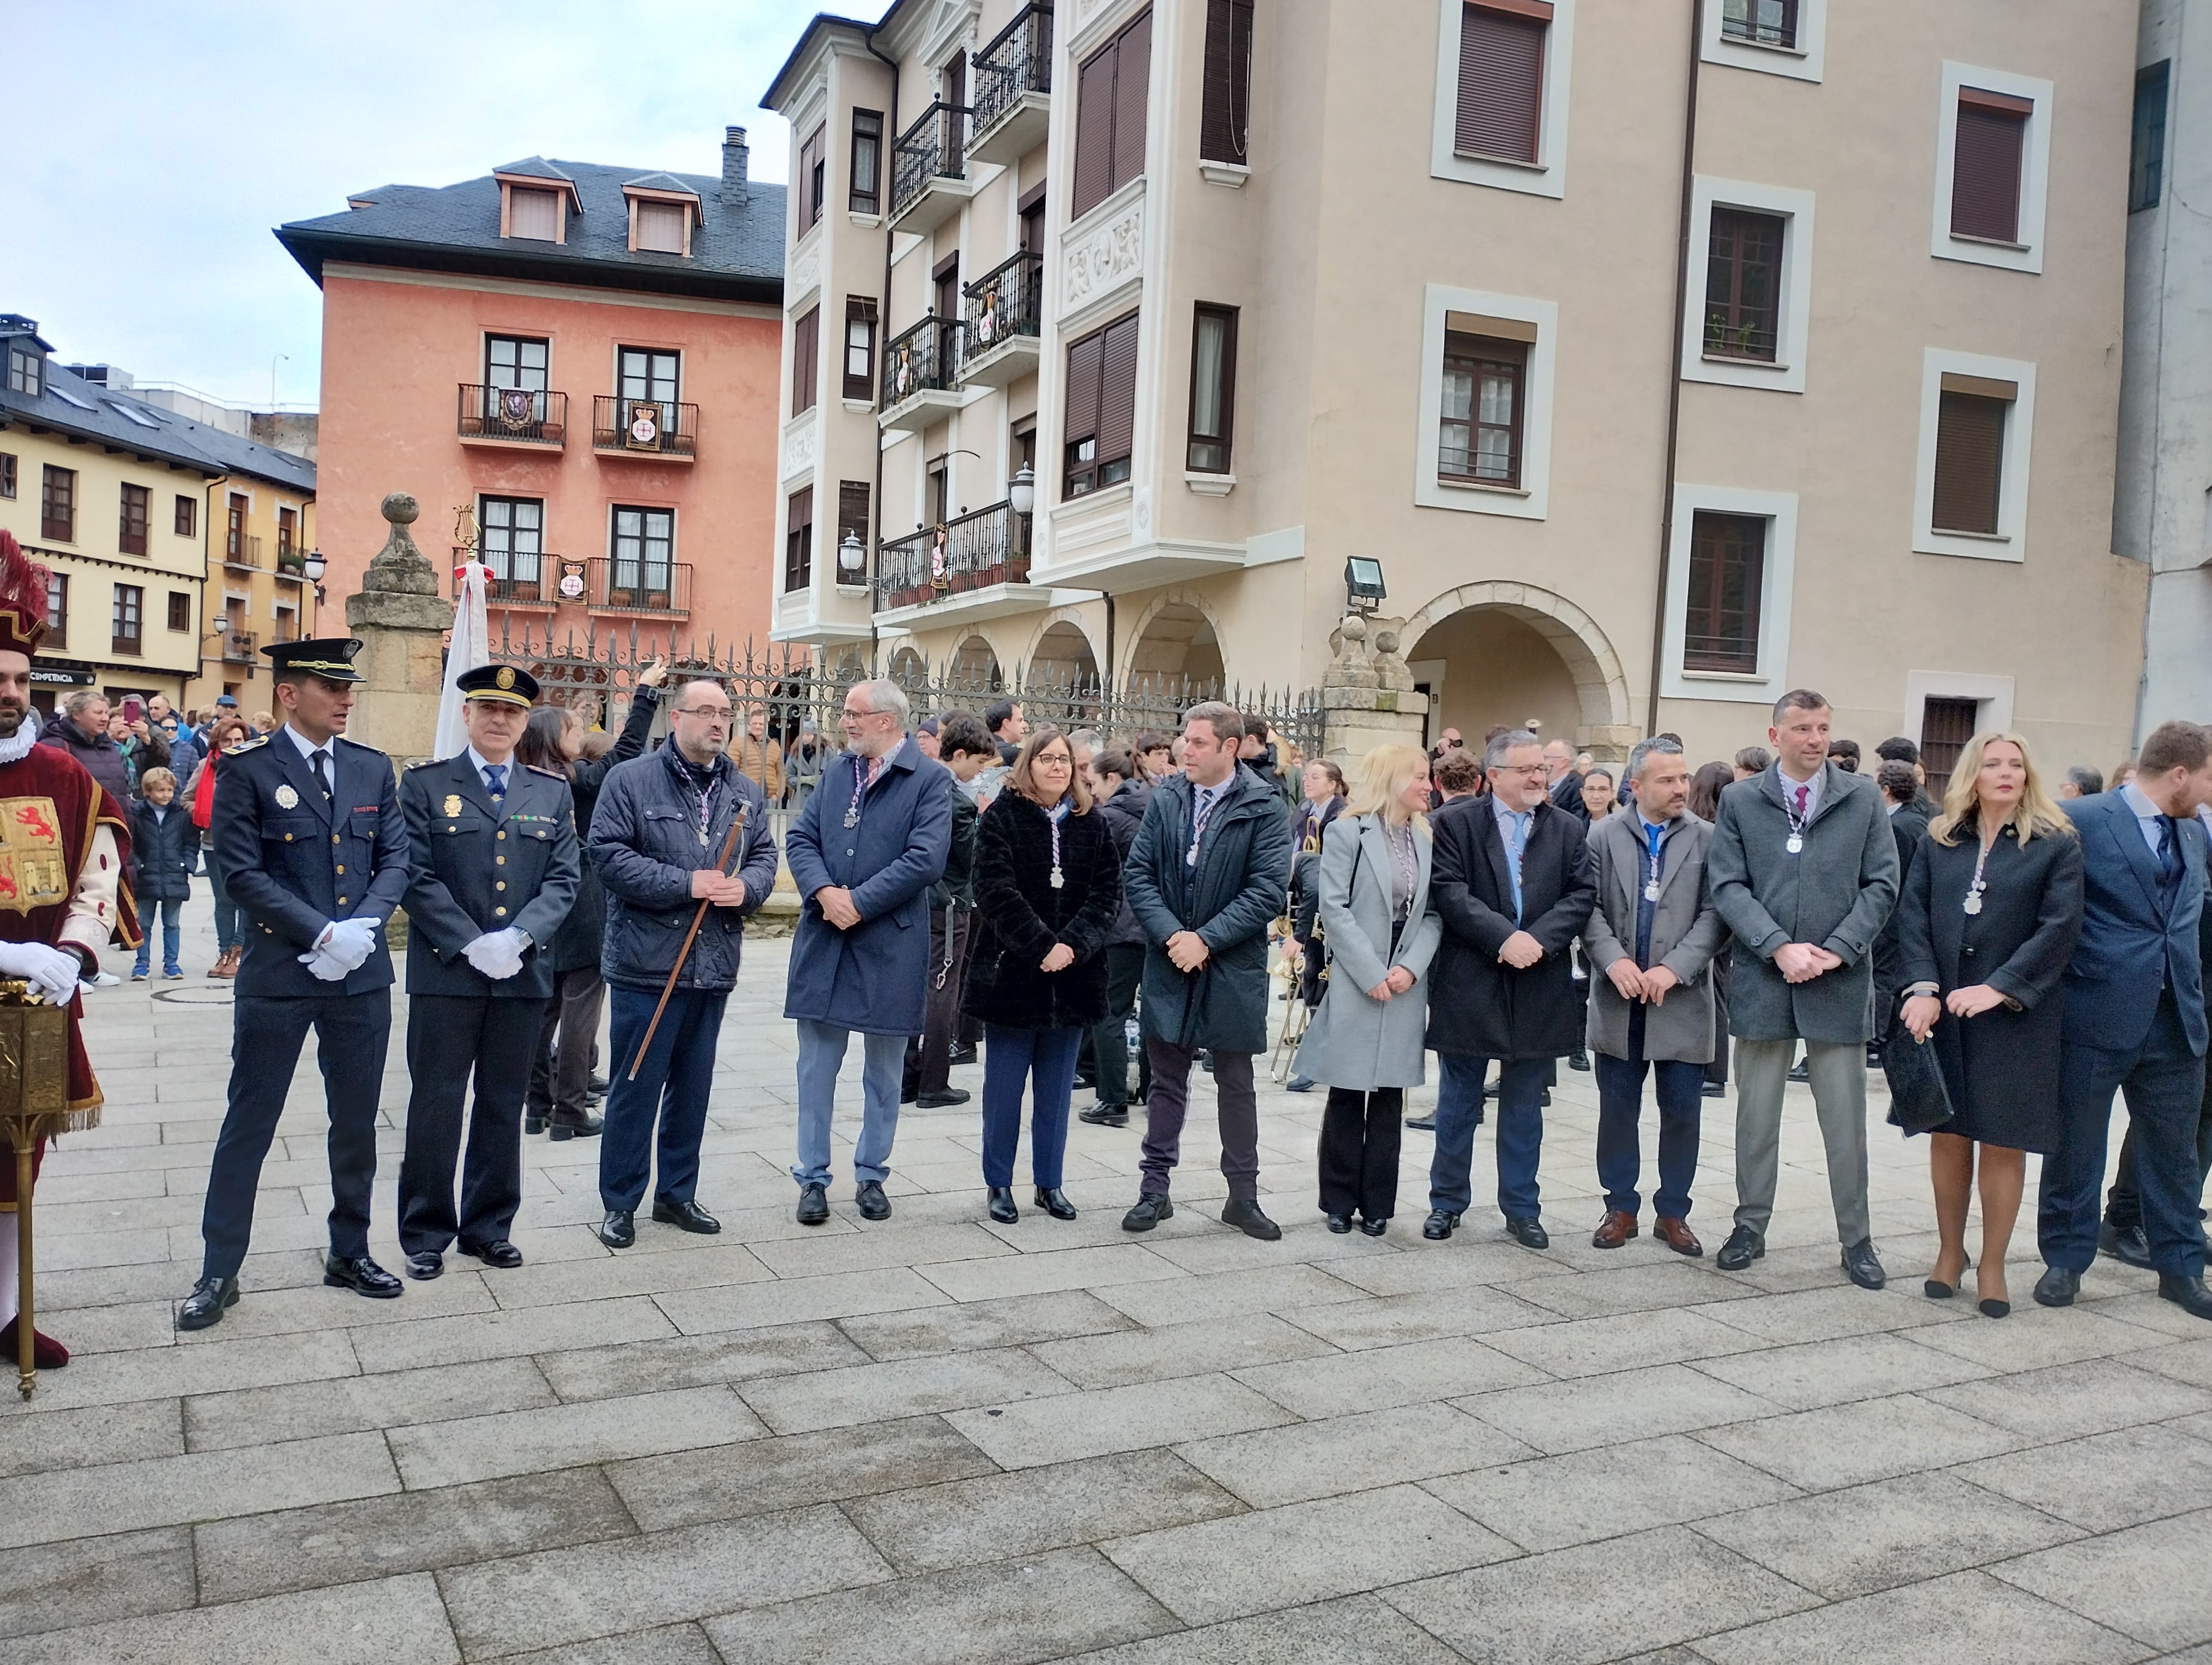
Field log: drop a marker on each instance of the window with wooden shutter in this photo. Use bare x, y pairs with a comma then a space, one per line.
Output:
1481, 436
867, 161
1743, 279
1970, 434
1501, 78
56, 609
130, 536
1985, 165
7, 474
129, 618
661, 226
1945, 727
188, 515
811, 183
1225, 113
1102, 407
799, 541
852, 512
533, 213
58, 503
1110, 95
180, 610
1212, 389
1728, 569
860, 347
806, 360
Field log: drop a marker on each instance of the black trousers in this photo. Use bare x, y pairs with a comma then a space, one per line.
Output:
352, 1032
448, 1037
1109, 1040
929, 1054
567, 1045
1360, 1134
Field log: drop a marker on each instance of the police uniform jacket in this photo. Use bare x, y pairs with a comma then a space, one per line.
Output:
293, 863
478, 867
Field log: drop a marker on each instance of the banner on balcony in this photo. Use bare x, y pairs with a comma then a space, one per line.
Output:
644, 427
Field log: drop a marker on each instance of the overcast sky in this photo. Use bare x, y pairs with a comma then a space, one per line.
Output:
155, 143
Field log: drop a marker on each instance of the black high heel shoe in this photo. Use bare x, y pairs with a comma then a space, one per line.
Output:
1002, 1205
1054, 1202
1935, 1290
1996, 1308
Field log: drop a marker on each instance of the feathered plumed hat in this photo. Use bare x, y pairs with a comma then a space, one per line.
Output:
23, 598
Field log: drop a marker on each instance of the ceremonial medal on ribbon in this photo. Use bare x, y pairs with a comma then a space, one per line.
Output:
453, 803
287, 798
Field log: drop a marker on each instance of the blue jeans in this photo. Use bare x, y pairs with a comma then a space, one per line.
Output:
2164, 1083
173, 936
1012, 1057
228, 920
820, 1055
671, 1088
1680, 1088
1520, 1132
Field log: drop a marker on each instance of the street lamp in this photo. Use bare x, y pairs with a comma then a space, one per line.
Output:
1021, 491
313, 566
852, 559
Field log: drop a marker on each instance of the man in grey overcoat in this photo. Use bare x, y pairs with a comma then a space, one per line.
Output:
1804, 872
1651, 943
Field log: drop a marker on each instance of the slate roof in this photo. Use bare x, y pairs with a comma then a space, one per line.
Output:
737, 252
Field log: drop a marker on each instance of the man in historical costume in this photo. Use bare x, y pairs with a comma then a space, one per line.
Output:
64, 893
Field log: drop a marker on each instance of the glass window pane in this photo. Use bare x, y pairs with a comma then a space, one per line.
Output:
1205, 378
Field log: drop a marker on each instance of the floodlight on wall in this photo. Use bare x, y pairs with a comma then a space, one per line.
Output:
1363, 583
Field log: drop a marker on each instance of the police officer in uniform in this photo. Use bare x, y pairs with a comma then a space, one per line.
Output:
312, 849
493, 853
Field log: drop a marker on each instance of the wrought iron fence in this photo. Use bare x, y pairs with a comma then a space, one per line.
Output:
979, 549
1018, 60
932, 148
1004, 303
513, 416
920, 359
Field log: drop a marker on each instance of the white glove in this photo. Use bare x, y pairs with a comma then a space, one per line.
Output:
323, 966
498, 954
348, 941
53, 972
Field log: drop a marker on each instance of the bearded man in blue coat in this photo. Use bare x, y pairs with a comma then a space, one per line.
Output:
872, 839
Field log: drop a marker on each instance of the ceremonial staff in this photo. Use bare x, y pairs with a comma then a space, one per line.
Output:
729, 848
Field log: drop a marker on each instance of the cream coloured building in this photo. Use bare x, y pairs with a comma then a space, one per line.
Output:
1642, 431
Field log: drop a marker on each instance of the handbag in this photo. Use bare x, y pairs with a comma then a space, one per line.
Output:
1919, 1102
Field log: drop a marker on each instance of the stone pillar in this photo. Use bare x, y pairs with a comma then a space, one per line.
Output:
402, 620
1368, 695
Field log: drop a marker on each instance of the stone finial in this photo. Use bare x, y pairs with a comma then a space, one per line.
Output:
400, 587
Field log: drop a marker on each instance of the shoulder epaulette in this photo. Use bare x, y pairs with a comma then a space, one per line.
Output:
550, 774
358, 746
422, 762
247, 745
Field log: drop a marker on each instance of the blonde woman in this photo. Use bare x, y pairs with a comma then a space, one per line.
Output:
1366, 1040
1989, 917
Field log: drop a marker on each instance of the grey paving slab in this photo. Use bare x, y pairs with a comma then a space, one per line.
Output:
1276, 1465
664, 1644
1356, 1630
1966, 1616
1388, 1320
1038, 1431
1376, 1378
1573, 1416
998, 1516
2147, 1581
2107, 1481
1672, 1283
72, 1586
1188, 1299
1622, 1341
395, 1399
172, 1372
1049, 1270
1811, 1374
1824, 1314
2036, 1336
297, 1549
1599, 1602
1008, 1613
730, 1482
2188, 1361
412, 1346
1277, 1557
697, 1361
50, 1440
1118, 1357
374, 1622
824, 1253
1850, 1445
1555, 1503
908, 1387
794, 1300
526, 1442
1474, 1256
2068, 1401
560, 1282
563, 1596
1205, 1251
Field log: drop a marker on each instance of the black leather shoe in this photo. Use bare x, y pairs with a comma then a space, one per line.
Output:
1743, 1247
868, 1197
1798, 1074
619, 1229
1054, 1202
1423, 1124
1104, 1115
362, 1276
908, 1095
961, 1055
1864, 1266
1340, 1223
2187, 1293
1579, 1059
941, 1101
426, 1265
1376, 1228
1002, 1205
1246, 1217
533, 1124
813, 1204
559, 1127
686, 1216
1713, 1089
1440, 1225
2125, 1244
2058, 1287
204, 1305
502, 1254
598, 1086
1152, 1207
1529, 1233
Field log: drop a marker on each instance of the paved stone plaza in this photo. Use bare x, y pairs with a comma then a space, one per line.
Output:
937, 1439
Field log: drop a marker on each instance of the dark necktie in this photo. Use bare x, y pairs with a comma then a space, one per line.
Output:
2169, 858
495, 781
322, 776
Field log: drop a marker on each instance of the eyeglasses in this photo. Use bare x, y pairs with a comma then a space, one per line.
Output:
1518, 768
713, 713
1051, 761
857, 715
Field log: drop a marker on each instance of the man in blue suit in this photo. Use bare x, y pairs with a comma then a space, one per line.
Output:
2136, 1020
872, 839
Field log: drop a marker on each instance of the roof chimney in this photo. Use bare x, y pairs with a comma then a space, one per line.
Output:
734, 158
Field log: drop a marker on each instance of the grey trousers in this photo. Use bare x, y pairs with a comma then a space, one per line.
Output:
1237, 1109
1837, 1070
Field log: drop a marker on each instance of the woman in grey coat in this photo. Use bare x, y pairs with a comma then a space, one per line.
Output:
1366, 1040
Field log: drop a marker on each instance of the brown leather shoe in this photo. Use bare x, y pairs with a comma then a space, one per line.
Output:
226, 964
1615, 1229
1678, 1236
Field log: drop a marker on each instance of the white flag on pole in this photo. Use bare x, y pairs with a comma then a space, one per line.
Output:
471, 647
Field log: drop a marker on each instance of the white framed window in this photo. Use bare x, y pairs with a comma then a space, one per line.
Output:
1749, 299
1501, 106
1774, 37
1708, 653
1483, 432
1990, 196
1970, 476
1937, 716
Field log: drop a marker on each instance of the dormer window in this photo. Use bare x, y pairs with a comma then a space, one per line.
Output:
661, 226
534, 213
663, 211
27, 370
535, 201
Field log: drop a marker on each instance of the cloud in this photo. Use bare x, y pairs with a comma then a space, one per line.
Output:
140, 216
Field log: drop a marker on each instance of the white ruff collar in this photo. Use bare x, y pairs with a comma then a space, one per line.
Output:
17, 746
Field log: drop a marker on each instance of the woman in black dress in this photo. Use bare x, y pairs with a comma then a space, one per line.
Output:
1990, 912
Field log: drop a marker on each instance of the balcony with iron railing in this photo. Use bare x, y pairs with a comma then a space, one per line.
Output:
662, 588
921, 368
535, 420
517, 579
955, 565
649, 430
1000, 337
1011, 79
242, 550
237, 647
929, 169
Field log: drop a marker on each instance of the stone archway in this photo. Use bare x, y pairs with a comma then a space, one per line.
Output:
975, 664
1061, 658
1513, 651
906, 666
1174, 646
